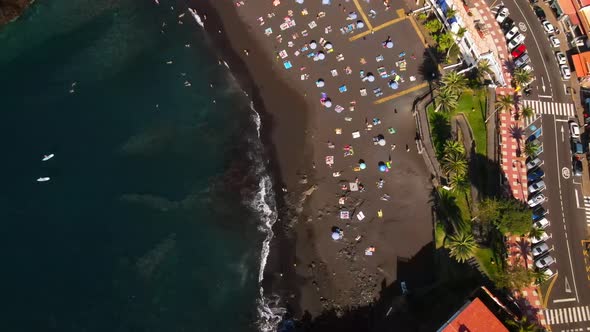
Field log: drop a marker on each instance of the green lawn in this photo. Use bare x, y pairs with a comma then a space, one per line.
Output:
439, 235
473, 104
487, 260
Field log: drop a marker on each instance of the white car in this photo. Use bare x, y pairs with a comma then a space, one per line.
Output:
561, 58
548, 273
539, 199
574, 129
548, 27
565, 72
510, 34
517, 40
540, 249
533, 164
543, 237
537, 186
502, 15
528, 68
554, 41
541, 223
544, 262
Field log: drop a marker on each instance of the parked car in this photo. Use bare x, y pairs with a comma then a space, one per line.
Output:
520, 50
576, 166
517, 40
540, 249
541, 223
507, 24
544, 262
527, 67
536, 175
511, 33
533, 1
521, 61
577, 147
574, 129
536, 200
533, 163
502, 15
554, 41
548, 272
543, 237
565, 72
548, 27
539, 12
561, 58
537, 186
539, 212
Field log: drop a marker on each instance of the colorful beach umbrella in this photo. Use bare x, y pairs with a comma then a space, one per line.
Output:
321, 55
328, 46
362, 165
313, 45
370, 77
335, 236
320, 83
360, 24
389, 44
328, 103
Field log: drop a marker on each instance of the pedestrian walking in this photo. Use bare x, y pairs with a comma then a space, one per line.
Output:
407, 148
393, 147
395, 110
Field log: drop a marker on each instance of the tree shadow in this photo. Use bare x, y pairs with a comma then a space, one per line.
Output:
441, 131
428, 69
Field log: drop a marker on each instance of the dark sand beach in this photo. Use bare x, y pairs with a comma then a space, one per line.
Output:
309, 270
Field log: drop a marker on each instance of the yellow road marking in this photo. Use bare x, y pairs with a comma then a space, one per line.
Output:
549, 289
400, 13
401, 93
360, 9
540, 294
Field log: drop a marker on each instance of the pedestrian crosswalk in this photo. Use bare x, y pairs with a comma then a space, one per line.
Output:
567, 315
579, 329
549, 107
528, 121
587, 209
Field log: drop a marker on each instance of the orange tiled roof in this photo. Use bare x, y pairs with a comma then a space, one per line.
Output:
475, 317
581, 62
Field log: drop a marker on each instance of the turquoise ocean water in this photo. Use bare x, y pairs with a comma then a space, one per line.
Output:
145, 224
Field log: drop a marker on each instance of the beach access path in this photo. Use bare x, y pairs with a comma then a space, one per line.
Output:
348, 109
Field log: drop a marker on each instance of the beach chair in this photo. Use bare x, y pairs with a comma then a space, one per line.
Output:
382, 72
377, 92
287, 64
342, 89
379, 58
363, 92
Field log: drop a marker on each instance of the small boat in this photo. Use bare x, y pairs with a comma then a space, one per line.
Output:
157, 2
43, 179
48, 156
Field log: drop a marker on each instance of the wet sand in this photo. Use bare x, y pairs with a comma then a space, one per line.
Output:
311, 271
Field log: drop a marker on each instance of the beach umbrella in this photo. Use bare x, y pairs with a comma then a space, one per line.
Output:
328, 46
320, 83
299, 1
370, 77
381, 142
382, 168
321, 56
335, 235
389, 44
352, 16
360, 24
393, 85
328, 103
363, 165
326, 2
313, 45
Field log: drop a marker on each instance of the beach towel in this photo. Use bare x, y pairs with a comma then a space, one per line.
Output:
353, 186
360, 216
342, 89
287, 64
356, 134
329, 160
344, 215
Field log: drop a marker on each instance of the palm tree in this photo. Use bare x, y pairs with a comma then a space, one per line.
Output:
540, 277
521, 76
505, 103
517, 133
460, 183
527, 111
446, 100
453, 146
450, 12
523, 325
484, 69
454, 82
454, 163
449, 211
462, 246
531, 149
535, 232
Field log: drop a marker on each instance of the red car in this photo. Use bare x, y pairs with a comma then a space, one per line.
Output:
518, 51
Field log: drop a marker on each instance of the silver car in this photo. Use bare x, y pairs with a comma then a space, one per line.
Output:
538, 199
543, 262
561, 58
537, 186
533, 164
517, 40
543, 237
540, 249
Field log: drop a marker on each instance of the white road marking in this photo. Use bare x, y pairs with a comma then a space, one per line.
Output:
566, 315
546, 107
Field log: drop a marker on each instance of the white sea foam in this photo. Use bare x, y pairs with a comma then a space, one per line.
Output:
270, 313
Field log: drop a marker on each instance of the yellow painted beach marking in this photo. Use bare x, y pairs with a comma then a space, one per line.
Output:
549, 289
401, 93
360, 9
400, 13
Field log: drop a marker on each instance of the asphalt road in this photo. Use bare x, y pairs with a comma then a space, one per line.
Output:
569, 291
548, 85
